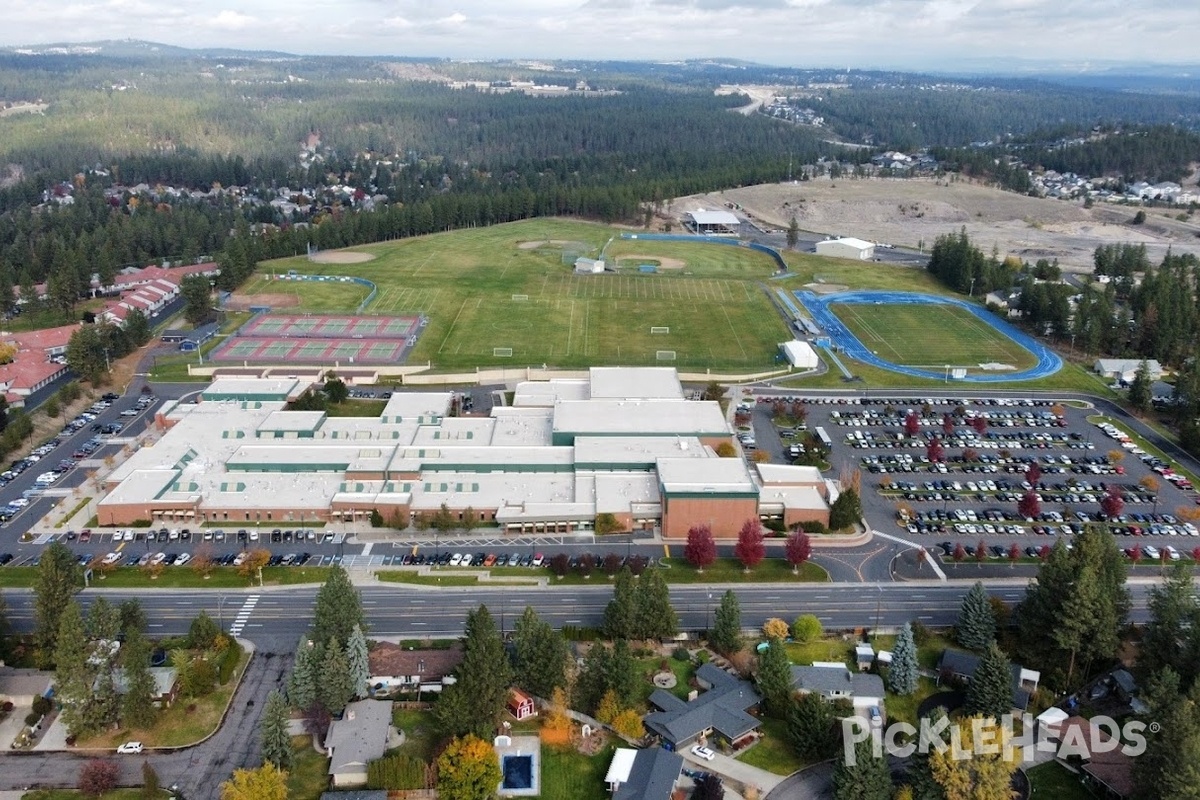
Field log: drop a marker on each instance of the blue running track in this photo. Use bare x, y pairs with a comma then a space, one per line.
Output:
1048, 362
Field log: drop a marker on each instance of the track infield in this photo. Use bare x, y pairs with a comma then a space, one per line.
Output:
923, 335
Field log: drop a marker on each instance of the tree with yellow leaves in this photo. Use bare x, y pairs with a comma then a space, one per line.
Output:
981, 766
629, 724
609, 707
776, 628
265, 783
556, 715
467, 770
256, 559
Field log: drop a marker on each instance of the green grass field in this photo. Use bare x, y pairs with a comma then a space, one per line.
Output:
930, 335
465, 281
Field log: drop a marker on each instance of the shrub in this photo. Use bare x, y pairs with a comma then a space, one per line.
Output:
806, 628
229, 661
32, 718
41, 705
775, 628
814, 526
921, 634
681, 653
396, 772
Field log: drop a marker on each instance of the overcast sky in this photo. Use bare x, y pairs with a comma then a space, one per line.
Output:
940, 34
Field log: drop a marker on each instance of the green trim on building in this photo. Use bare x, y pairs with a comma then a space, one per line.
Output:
245, 466
567, 438
710, 495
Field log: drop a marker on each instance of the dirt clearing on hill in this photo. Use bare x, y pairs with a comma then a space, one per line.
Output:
910, 212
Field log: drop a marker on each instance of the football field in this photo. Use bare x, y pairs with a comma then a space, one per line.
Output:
930, 335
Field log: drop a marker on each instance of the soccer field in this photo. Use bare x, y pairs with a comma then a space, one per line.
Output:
930, 335
488, 290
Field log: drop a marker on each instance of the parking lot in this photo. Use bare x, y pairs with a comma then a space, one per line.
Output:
952, 473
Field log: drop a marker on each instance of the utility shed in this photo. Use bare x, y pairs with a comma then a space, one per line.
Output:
847, 247
800, 354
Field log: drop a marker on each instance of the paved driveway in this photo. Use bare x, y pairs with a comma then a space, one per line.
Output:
735, 770
198, 770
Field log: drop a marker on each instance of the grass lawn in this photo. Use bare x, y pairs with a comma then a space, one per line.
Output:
420, 731
569, 775
773, 753
465, 282
177, 726
922, 335
310, 775
75, 794
313, 296
647, 667
178, 578
903, 707
356, 408
1053, 781
405, 576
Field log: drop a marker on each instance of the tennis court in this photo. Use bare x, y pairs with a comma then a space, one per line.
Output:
320, 351
330, 327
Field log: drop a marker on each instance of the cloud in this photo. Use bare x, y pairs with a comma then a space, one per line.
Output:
232, 21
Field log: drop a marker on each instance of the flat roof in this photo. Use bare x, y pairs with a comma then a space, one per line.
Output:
794, 497
793, 474
640, 417
602, 451
635, 383
402, 406
705, 475
251, 388
293, 421
547, 393
528, 426
851, 241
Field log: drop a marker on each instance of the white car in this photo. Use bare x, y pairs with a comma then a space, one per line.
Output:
130, 748
129, 412
703, 752
456, 559
111, 558
158, 559
239, 559
183, 559
127, 536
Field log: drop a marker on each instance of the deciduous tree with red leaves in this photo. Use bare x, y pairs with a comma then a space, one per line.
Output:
935, 452
750, 549
98, 777
700, 550
947, 424
960, 553
979, 425
912, 424
797, 549
1014, 553
1033, 473
1030, 505
1112, 504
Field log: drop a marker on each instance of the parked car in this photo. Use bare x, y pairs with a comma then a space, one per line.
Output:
130, 748
697, 751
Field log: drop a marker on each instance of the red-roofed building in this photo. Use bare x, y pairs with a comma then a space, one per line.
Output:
175, 275
149, 289
31, 367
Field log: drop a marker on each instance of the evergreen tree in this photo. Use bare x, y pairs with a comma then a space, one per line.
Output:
302, 685
1141, 387
620, 613
810, 727
338, 609
276, 742
592, 681
72, 678
476, 701
976, 626
774, 679
622, 672
654, 617
203, 632
904, 674
846, 510
726, 634
335, 688
1172, 636
137, 327
793, 234
1076, 609
133, 617
356, 657
540, 655
59, 577
990, 692
864, 777
137, 704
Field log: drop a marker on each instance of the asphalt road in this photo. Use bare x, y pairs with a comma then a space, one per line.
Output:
282, 615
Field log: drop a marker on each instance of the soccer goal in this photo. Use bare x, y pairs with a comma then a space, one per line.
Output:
660, 329
502, 352
665, 355
520, 298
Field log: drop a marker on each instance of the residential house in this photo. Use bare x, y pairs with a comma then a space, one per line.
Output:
1125, 369
394, 668
963, 665
722, 709
1104, 765
650, 774
520, 705
358, 738
166, 684
835, 680
21, 686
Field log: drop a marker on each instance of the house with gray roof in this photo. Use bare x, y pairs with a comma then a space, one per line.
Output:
722, 709
649, 774
963, 665
835, 680
358, 738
